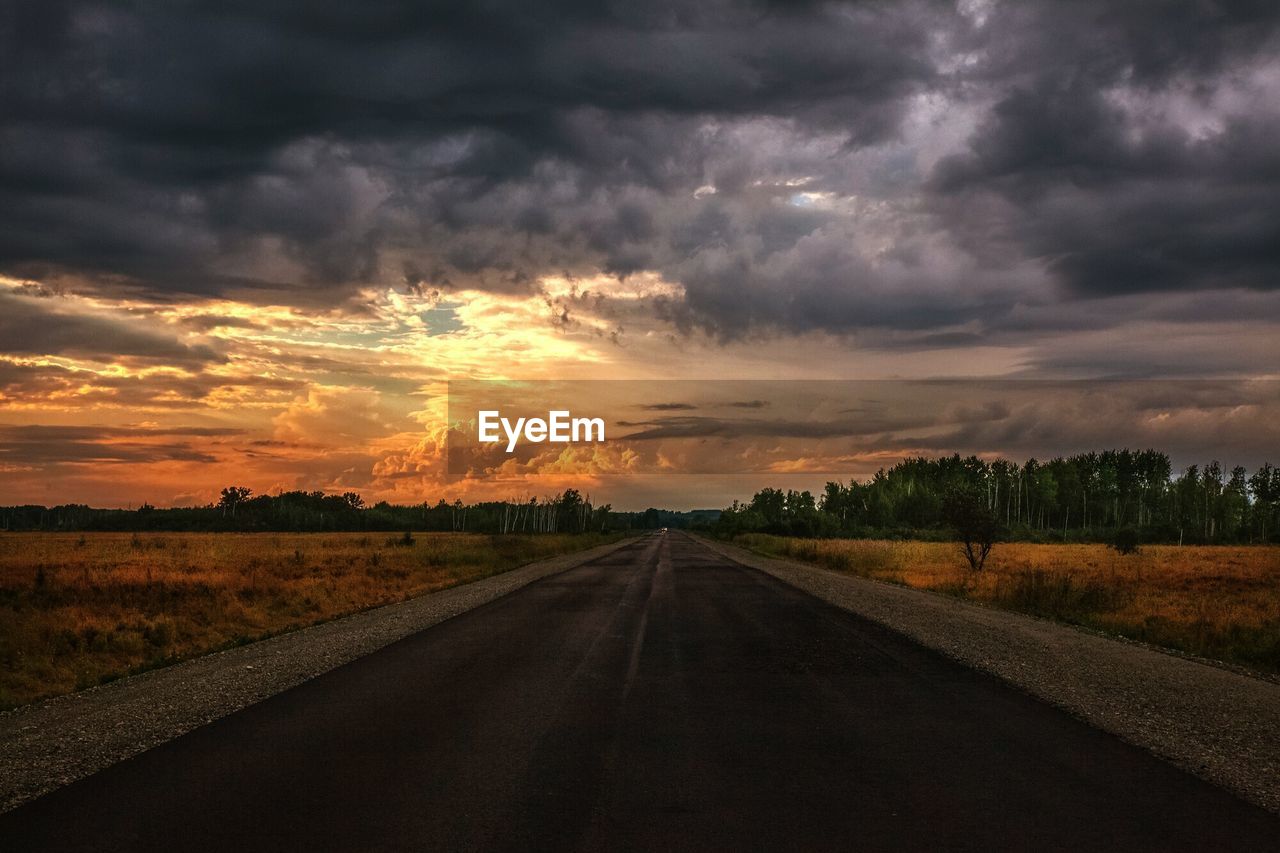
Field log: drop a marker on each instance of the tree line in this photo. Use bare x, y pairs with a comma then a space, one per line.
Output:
1087, 497
239, 509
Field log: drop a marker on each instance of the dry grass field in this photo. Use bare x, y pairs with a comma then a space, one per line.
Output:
77, 610
1220, 602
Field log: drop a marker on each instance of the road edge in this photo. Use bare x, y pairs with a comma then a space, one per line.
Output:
52, 743
1217, 724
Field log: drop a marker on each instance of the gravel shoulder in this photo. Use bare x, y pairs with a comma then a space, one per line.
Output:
1218, 724
52, 743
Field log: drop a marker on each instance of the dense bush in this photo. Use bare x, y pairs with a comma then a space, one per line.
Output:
1127, 540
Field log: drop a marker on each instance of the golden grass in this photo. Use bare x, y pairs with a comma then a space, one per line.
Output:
76, 610
1218, 601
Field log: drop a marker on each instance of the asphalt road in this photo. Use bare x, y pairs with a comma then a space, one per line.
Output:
660, 698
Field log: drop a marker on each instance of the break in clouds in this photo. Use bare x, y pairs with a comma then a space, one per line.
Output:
927, 173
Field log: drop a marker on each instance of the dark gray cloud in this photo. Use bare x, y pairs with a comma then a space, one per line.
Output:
37, 432
849, 167
37, 327
1113, 206
871, 423
166, 143
669, 407
43, 445
1127, 146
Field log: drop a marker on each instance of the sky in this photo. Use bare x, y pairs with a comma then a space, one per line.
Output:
253, 242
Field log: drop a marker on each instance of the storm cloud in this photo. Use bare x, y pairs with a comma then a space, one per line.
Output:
46, 445
940, 170
37, 326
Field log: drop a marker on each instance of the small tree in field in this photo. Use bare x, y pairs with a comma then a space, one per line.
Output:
974, 523
1126, 541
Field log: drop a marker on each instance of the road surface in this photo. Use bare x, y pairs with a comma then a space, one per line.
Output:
659, 698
